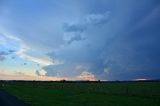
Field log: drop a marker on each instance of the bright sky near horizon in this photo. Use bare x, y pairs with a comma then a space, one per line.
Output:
79, 39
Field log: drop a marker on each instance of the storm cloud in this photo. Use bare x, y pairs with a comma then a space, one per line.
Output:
106, 39
123, 47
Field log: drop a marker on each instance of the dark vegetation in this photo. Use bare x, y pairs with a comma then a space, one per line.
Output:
85, 93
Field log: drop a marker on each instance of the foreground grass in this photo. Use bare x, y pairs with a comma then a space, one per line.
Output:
86, 94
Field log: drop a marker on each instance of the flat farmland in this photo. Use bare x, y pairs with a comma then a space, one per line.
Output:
85, 93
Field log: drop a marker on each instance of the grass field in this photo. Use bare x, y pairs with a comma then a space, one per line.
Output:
86, 94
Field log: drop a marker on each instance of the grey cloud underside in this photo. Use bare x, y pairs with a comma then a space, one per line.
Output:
127, 45
4, 53
2, 58
75, 38
76, 30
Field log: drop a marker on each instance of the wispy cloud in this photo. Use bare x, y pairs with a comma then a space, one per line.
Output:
22, 50
41, 59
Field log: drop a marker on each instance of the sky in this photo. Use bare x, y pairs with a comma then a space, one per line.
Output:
79, 39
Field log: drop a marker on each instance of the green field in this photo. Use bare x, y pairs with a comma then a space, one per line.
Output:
85, 94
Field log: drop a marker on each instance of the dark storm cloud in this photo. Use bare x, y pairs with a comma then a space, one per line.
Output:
76, 30
135, 54
75, 38
124, 48
90, 19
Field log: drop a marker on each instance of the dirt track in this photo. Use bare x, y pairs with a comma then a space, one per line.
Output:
8, 100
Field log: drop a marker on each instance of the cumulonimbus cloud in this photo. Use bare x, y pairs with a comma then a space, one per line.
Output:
113, 48
110, 40
75, 30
